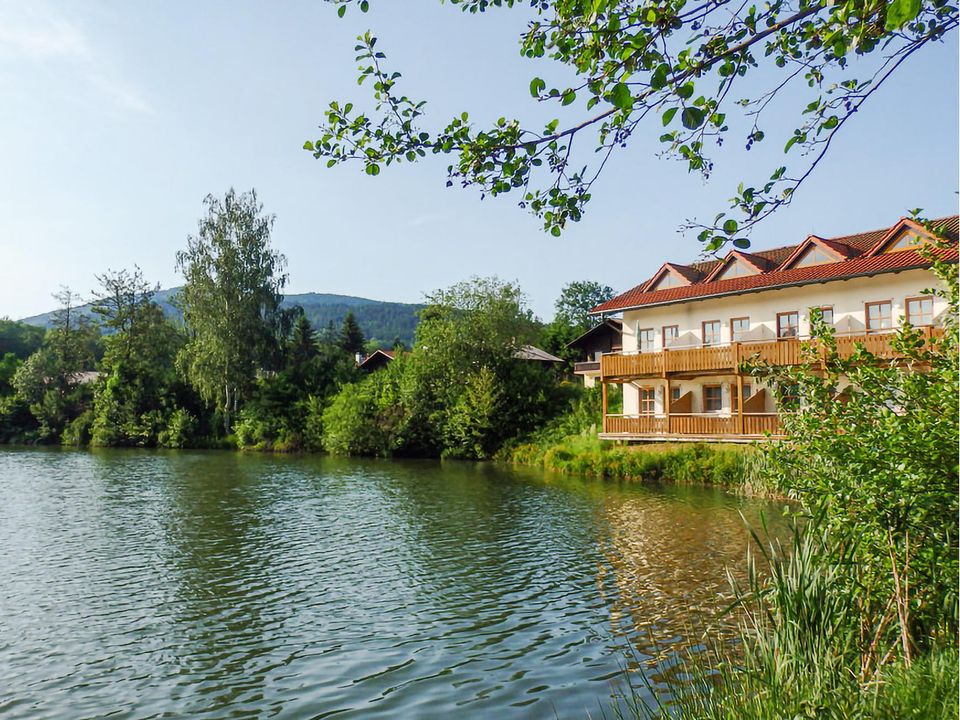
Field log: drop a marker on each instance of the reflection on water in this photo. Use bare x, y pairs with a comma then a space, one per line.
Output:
140, 585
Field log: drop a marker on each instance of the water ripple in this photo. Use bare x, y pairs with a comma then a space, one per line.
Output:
162, 585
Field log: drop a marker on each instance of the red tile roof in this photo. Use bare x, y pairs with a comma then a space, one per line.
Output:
857, 264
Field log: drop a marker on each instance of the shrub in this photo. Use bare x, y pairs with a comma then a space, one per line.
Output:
179, 431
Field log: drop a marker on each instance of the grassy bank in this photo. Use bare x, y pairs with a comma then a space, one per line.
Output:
732, 467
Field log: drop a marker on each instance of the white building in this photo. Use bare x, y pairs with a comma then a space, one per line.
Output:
687, 329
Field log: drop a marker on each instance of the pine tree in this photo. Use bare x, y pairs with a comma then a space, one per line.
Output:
351, 336
302, 347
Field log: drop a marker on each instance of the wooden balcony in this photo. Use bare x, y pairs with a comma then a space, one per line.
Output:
725, 359
692, 426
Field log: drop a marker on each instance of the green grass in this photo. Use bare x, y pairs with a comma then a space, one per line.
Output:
727, 466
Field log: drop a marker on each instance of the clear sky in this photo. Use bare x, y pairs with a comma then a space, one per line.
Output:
117, 118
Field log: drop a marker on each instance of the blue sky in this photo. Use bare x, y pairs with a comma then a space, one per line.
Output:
117, 118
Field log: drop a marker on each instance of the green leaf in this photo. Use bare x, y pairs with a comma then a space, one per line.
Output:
621, 97
730, 227
659, 77
308, 146
668, 115
692, 118
741, 243
568, 97
900, 12
537, 86
341, 11
685, 91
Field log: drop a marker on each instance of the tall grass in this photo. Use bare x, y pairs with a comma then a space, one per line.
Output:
798, 654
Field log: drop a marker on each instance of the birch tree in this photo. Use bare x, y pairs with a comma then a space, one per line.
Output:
230, 299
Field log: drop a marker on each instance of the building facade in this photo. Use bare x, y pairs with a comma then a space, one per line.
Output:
688, 328
603, 338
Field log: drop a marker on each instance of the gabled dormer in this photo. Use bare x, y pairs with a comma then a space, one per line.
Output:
671, 275
737, 264
905, 235
817, 251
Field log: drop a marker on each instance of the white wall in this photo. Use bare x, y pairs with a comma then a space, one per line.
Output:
728, 383
847, 297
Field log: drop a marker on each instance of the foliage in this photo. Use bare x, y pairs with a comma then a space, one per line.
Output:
19, 338
571, 320
367, 417
687, 69
138, 387
286, 406
460, 392
576, 301
351, 338
694, 464
384, 320
180, 431
878, 469
49, 381
9, 363
230, 300
798, 645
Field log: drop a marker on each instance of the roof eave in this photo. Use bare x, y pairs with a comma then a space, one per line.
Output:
797, 283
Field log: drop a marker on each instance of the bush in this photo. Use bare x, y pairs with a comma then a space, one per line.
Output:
731, 467
179, 431
77, 432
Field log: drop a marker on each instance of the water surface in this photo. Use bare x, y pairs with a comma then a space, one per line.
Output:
215, 585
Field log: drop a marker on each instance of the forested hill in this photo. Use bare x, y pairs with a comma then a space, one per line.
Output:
378, 319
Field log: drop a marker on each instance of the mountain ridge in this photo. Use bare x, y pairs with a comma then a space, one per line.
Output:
382, 320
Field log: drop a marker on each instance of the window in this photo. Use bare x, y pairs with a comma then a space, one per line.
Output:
747, 392
738, 328
647, 401
670, 333
669, 280
879, 316
907, 241
712, 398
826, 311
816, 255
920, 311
736, 269
711, 332
674, 393
788, 324
645, 340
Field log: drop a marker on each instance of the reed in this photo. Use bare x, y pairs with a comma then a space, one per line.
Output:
798, 654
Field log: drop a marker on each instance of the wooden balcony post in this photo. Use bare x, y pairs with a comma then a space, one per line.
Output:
603, 404
739, 402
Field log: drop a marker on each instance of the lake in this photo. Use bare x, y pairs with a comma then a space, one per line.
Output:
148, 584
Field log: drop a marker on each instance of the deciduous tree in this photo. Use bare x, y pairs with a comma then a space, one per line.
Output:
230, 299
693, 73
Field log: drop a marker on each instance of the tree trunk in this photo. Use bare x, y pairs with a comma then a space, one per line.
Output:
227, 405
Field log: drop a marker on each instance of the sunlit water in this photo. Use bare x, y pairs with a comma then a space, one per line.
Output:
214, 585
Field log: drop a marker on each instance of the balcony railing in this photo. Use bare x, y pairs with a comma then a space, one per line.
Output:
693, 424
592, 366
714, 358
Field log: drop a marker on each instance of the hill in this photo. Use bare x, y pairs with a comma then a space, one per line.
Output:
378, 319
